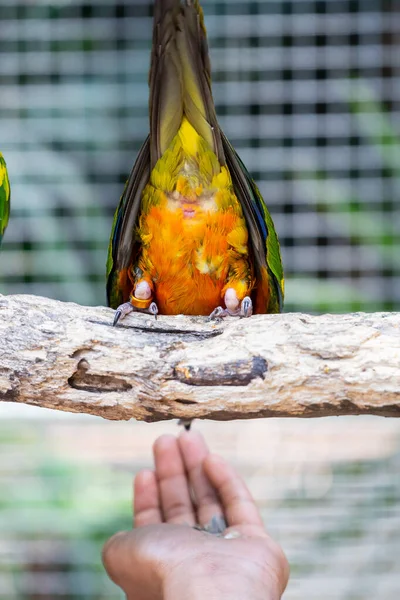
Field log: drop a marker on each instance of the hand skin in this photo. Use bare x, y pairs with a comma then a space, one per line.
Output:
164, 558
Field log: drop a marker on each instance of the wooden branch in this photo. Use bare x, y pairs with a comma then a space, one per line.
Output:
69, 357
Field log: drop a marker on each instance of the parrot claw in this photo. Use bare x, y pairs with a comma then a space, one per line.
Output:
246, 307
127, 307
117, 317
152, 310
245, 310
218, 313
122, 311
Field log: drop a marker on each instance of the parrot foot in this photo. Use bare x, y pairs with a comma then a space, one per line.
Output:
246, 307
218, 313
245, 310
127, 307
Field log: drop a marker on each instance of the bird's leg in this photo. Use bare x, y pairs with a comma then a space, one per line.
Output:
234, 307
140, 302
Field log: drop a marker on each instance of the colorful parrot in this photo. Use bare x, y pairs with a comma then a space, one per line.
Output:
192, 234
4, 197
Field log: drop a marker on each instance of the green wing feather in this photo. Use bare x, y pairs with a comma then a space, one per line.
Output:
262, 235
5, 194
123, 246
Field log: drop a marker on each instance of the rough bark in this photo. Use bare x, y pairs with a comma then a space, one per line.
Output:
69, 357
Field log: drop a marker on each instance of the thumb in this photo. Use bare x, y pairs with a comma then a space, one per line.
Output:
135, 560
130, 563
119, 558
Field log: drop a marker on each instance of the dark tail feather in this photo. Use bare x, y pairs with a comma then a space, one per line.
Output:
180, 82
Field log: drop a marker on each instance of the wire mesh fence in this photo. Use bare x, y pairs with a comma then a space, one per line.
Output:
309, 94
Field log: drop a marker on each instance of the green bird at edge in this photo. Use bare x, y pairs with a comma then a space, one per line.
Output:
192, 233
5, 194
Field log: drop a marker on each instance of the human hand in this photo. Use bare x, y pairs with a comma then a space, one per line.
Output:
165, 558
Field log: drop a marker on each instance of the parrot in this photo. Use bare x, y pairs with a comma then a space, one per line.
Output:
4, 196
192, 234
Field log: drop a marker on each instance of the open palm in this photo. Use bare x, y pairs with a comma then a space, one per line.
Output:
169, 555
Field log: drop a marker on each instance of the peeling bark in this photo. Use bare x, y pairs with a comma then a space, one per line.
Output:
69, 357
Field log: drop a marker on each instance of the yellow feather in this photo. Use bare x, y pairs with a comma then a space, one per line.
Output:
189, 138
238, 238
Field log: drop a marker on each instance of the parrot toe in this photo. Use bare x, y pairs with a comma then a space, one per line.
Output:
142, 290
246, 307
218, 313
244, 310
122, 311
231, 301
152, 310
127, 307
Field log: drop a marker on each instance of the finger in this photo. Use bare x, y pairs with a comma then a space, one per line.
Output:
176, 504
237, 502
146, 500
194, 450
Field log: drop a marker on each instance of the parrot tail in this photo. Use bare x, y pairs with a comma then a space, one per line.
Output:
180, 78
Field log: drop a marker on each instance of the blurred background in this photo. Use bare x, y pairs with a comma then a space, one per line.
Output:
309, 94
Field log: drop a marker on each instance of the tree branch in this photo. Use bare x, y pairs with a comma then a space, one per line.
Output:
69, 357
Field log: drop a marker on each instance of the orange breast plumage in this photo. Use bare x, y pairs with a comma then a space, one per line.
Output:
191, 258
